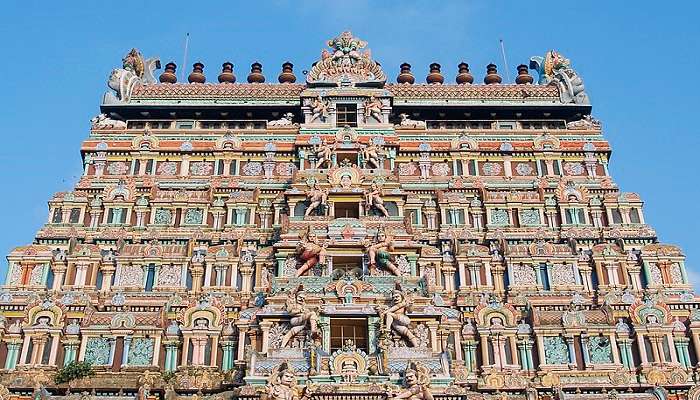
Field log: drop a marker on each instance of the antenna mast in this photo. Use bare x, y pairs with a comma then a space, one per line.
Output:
184, 58
505, 61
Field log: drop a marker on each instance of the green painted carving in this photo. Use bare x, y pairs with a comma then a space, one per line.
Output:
141, 351
194, 216
600, 350
555, 350
97, 351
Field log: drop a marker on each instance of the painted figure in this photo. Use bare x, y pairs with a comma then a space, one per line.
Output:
373, 108
302, 316
415, 381
395, 318
373, 198
282, 384
324, 155
319, 109
317, 198
370, 154
380, 256
310, 252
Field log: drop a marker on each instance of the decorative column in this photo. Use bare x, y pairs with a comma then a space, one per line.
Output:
424, 164
125, 353
681, 344
246, 278
498, 286
572, 352
197, 271
469, 345
584, 350
70, 348
59, 272
324, 324
449, 276
228, 352
457, 337
242, 330
265, 326
171, 347
14, 346
107, 273
373, 327
642, 350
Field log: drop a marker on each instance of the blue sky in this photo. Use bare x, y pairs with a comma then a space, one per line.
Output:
639, 61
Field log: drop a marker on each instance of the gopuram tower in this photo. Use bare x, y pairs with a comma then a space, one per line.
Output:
347, 238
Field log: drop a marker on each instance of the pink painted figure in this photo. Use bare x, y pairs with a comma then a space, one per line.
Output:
310, 252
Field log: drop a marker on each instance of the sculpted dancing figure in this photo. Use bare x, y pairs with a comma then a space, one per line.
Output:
373, 198
373, 108
324, 155
317, 197
379, 254
310, 252
302, 316
395, 318
370, 154
319, 109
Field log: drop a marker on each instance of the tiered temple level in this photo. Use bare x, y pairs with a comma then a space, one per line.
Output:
347, 238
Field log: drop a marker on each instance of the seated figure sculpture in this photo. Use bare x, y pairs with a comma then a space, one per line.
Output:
302, 316
373, 198
371, 155
324, 155
317, 198
373, 108
309, 252
379, 254
396, 320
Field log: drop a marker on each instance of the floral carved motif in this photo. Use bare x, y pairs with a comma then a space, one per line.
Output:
407, 169
252, 169
201, 168
167, 168
524, 169
555, 350
524, 275
169, 275
117, 168
97, 351
440, 169
574, 168
491, 169
140, 351
563, 274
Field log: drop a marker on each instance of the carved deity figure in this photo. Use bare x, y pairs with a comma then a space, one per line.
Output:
373, 198
324, 155
310, 252
319, 109
395, 318
379, 254
415, 381
282, 384
317, 198
370, 154
372, 108
302, 316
